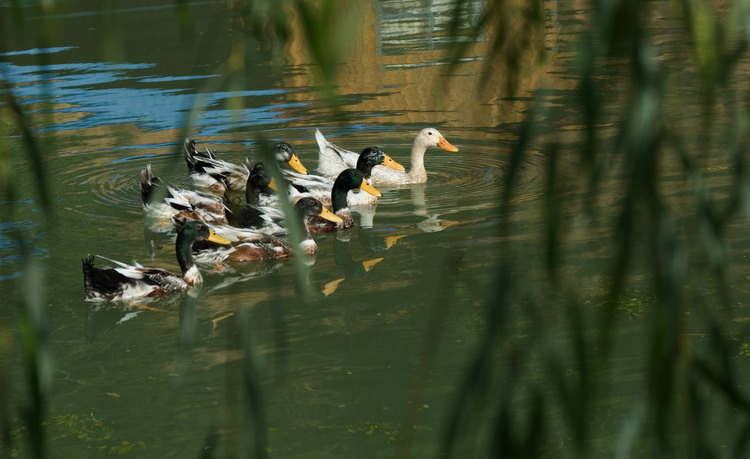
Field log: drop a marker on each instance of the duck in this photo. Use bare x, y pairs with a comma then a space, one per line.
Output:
253, 245
209, 171
178, 202
259, 210
260, 190
320, 187
332, 159
133, 282
347, 180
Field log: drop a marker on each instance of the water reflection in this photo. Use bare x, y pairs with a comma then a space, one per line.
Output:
422, 26
11, 246
234, 274
82, 97
372, 242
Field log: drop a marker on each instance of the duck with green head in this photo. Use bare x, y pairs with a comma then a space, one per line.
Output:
350, 179
128, 282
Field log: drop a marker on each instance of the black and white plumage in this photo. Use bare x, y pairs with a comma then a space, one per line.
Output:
206, 169
130, 282
177, 203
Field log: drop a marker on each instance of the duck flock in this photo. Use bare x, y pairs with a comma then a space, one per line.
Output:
234, 214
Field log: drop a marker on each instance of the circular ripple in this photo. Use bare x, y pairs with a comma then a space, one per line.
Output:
470, 179
110, 187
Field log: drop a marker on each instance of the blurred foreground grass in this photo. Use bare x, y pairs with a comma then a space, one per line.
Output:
542, 379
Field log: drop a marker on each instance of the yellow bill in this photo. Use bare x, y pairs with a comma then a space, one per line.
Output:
215, 321
272, 185
389, 162
368, 264
445, 145
330, 216
213, 237
365, 186
390, 241
330, 287
297, 164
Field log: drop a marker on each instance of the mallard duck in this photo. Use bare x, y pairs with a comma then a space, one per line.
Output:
333, 159
127, 282
207, 170
320, 187
347, 180
254, 245
179, 203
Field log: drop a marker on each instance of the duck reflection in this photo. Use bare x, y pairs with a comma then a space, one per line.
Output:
374, 242
156, 241
354, 268
434, 223
103, 319
242, 272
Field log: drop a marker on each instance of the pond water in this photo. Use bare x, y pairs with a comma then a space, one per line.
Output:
346, 371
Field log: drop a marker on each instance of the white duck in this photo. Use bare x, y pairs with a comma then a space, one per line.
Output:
333, 159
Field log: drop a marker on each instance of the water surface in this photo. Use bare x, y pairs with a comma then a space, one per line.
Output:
373, 350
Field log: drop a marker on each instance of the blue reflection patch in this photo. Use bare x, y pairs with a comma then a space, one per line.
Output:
9, 248
35, 51
106, 94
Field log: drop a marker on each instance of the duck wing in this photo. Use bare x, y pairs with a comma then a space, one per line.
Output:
333, 159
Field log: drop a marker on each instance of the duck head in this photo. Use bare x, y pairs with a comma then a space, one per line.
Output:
282, 151
431, 137
373, 156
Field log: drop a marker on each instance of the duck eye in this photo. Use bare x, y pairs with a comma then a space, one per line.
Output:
429, 133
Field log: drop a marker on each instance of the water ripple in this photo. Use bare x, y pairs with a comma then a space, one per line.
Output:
472, 178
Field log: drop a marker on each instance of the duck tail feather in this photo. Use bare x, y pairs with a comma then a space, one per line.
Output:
148, 183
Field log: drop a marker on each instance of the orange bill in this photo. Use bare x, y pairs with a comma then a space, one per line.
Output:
445, 145
330, 216
213, 237
366, 186
272, 185
389, 162
297, 165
